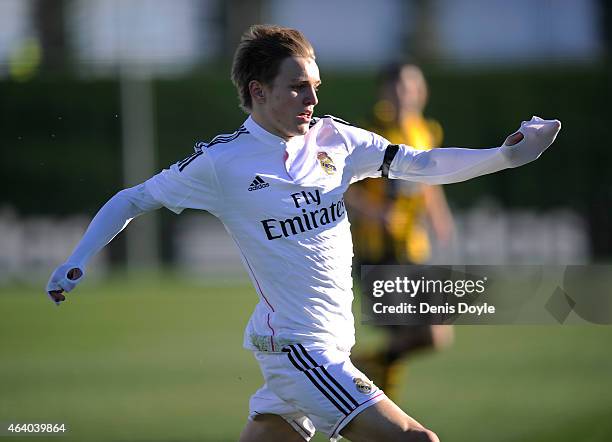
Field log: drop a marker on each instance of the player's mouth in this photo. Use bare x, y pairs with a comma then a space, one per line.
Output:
305, 116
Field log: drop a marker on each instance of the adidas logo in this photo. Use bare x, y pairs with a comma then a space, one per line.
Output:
257, 184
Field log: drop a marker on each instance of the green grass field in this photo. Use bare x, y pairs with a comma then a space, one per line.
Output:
161, 359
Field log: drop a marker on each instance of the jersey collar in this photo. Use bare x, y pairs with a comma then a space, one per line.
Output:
300, 161
270, 139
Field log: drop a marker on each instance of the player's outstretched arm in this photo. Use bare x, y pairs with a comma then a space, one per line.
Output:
108, 222
452, 165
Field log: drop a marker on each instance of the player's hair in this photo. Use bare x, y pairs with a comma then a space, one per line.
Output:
260, 53
391, 73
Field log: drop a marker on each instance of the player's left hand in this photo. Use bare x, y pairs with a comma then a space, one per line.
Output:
532, 138
64, 279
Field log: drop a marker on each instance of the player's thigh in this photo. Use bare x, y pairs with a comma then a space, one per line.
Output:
269, 428
386, 422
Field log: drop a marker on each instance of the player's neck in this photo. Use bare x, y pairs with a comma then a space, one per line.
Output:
404, 114
265, 124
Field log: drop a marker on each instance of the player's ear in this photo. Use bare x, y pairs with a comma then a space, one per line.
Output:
257, 92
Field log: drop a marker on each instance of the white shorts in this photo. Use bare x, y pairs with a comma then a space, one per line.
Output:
312, 389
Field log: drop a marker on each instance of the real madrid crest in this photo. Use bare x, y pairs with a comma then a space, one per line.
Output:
326, 163
363, 385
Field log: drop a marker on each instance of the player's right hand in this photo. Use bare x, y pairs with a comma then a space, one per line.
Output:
64, 279
528, 143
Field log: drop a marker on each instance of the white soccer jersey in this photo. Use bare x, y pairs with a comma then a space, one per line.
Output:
282, 203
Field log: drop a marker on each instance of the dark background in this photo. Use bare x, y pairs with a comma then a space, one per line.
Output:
61, 136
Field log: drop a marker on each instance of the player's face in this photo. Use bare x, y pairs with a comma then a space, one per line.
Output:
411, 89
290, 100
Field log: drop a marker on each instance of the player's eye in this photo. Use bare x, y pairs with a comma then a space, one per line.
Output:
300, 87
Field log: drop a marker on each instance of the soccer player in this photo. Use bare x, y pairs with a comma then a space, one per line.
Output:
390, 218
277, 184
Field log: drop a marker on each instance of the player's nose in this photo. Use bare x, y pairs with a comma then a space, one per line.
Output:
311, 98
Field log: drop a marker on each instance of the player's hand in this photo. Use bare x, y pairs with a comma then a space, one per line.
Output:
64, 279
532, 138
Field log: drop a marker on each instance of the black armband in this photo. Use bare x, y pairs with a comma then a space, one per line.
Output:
390, 153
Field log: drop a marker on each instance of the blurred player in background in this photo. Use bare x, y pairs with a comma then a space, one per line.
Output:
391, 219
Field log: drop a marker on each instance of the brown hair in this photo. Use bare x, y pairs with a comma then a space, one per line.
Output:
260, 53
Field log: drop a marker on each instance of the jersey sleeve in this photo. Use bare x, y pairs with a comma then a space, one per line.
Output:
453, 164
189, 184
370, 155
373, 156
445, 165
366, 151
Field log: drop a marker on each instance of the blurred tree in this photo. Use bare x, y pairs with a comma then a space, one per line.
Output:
49, 21
606, 25
422, 41
237, 16
599, 213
